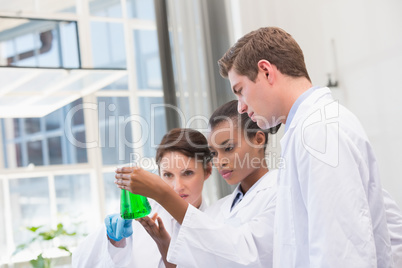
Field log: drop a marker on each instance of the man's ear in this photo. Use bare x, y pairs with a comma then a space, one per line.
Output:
267, 69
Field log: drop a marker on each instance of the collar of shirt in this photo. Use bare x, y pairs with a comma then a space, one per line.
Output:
203, 205
237, 199
296, 105
238, 194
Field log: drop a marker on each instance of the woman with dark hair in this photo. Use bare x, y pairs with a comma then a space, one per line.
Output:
183, 163
236, 231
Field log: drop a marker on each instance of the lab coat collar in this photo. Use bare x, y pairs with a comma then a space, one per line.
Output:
296, 105
266, 181
203, 205
303, 108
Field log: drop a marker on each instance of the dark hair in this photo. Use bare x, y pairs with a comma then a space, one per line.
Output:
187, 141
228, 111
270, 43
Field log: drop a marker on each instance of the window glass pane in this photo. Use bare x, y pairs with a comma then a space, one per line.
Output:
68, 36
29, 205
76, 147
147, 60
39, 43
35, 155
154, 113
141, 9
79, 152
55, 154
24, 43
74, 203
46, 141
53, 120
32, 125
78, 117
108, 50
112, 194
115, 129
47, 47
18, 155
16, 123
105, 8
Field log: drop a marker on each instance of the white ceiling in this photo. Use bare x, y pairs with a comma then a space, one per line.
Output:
33, 92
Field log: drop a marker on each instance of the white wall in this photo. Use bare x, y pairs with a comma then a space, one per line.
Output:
360, 42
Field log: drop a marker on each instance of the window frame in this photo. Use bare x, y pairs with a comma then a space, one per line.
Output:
94, 167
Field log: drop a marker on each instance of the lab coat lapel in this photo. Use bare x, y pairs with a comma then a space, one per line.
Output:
263, 183
227, 205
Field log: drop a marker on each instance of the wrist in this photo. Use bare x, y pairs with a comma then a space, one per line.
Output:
118, 244
163, 251
173, 203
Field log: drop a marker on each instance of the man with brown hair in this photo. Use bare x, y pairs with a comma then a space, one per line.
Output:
330, 208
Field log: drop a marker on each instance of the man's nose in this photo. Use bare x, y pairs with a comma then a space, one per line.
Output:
241, 107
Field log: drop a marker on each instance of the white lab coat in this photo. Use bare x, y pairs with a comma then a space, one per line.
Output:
140, 251
394, 223
220, 237
330, 208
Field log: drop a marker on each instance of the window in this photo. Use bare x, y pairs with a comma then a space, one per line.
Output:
108, 49
29, 208
105, 8
42, 141
140, 9
49, 168
148, 64
62, 130
39, 43
154, 114
112, 194
74, 201
115, 130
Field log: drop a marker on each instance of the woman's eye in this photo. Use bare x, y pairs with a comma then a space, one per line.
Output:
168, 175
212, 154
228, 149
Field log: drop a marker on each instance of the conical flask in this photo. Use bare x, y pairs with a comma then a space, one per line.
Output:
133, 206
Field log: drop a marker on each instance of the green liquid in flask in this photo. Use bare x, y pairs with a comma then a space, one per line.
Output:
133, 206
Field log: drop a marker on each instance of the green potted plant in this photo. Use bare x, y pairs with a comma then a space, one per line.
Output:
39, 235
